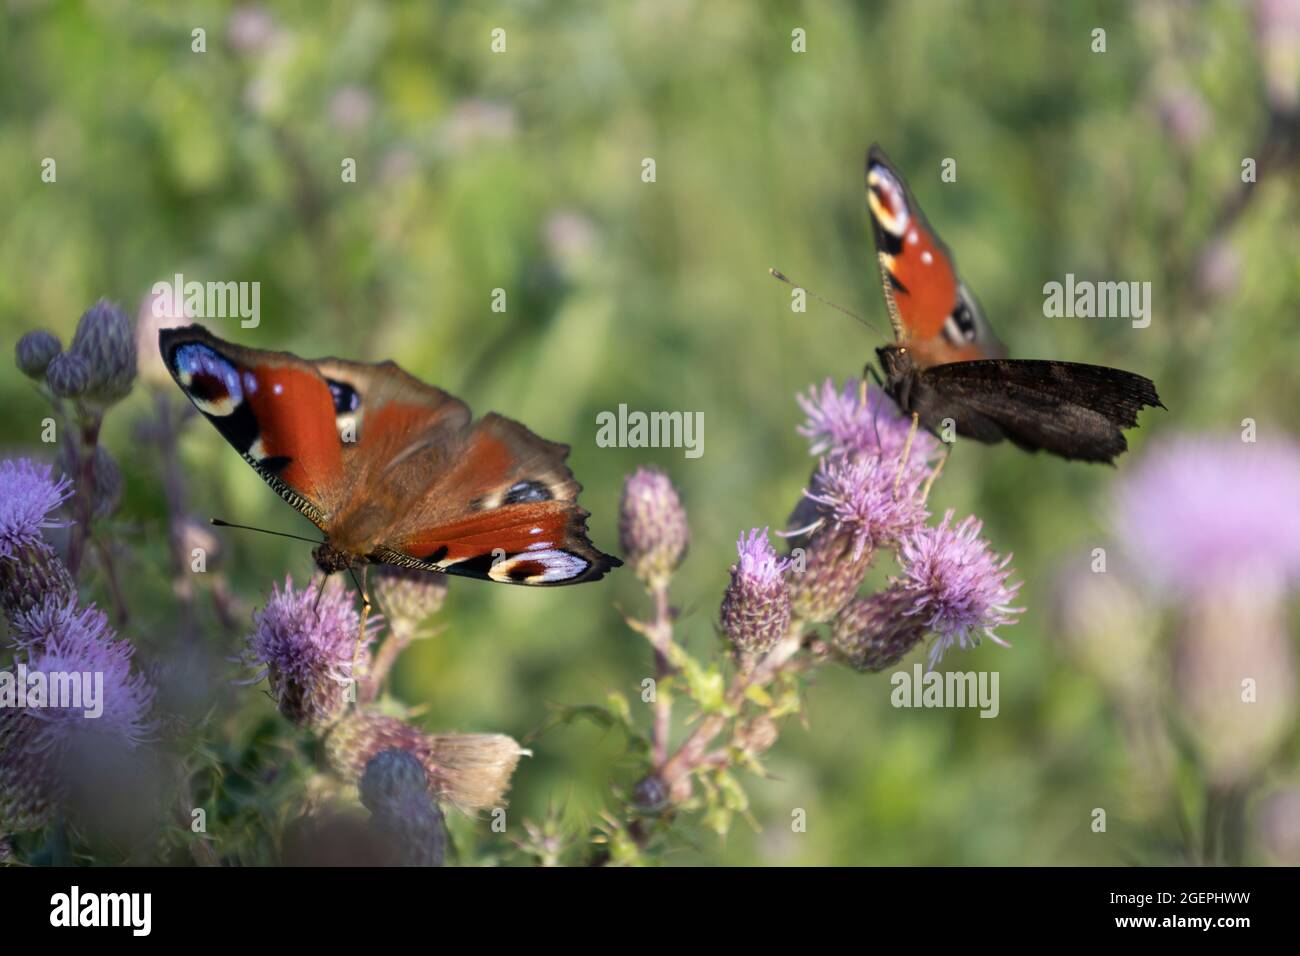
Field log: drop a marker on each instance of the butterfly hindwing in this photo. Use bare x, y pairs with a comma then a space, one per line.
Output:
504, 509
1069, 409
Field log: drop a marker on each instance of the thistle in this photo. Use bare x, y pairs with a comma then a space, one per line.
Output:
395, 789
309, 645
756, 605
39, 746
105, 342
652, 526
29, 568
469, 771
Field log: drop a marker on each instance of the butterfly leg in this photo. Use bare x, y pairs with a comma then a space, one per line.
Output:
365, 610
907, 451
929, 482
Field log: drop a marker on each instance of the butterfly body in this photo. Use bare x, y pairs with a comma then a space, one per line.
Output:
947, 366
392, 470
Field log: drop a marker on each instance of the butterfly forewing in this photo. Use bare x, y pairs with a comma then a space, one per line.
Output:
931, 309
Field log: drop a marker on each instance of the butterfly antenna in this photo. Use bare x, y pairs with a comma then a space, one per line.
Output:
246, 527
778, 274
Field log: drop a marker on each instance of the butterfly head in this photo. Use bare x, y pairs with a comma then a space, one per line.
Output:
895, 360
330, 559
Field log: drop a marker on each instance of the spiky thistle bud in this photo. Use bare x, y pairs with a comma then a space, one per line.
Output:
106, 342
469, 771
67, 375
407, 596
826, 566
395, 789
875, 632
35, 351
311, 651
652, 526
756, 605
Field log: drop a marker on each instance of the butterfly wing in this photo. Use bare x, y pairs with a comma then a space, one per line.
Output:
500, 505
1068, 409
275, 409
931, 309
385, 464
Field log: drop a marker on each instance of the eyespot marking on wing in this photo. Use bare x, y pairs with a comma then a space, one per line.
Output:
211, 381
887, 200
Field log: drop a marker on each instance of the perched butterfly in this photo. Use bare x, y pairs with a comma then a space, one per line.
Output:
948, 365
392, 470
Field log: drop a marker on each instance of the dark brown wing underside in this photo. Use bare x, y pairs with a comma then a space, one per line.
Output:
1068, 409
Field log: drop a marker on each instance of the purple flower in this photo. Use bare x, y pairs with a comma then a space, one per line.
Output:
839, 424
759, 563
652, 526
310, 649
80, 642
28, 494
958, 585
1197, 508
756, 606
859, 496
45, 623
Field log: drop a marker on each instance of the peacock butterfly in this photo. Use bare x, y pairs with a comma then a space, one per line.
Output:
947, 364
392, 470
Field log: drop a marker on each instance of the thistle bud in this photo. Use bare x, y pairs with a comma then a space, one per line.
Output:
756, 605
34, 352
105, 341
469, 771
395, 789
652, 526
827, 567
30, 576
873, 633
67, 375
407, 595
651, 794
29, 790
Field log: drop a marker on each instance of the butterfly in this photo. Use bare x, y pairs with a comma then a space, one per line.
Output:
947, 365
392, 470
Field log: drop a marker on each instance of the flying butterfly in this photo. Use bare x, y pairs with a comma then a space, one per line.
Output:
947, 364
392, 470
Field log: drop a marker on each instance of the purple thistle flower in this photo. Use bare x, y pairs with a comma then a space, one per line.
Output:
1197, 508
43, 624
308, 649
839, 424
80, 642
759, 563
28, 494
756, 606
958, 585
858, 496
43, 747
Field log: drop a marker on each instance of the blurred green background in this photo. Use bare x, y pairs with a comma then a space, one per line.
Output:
522, 171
